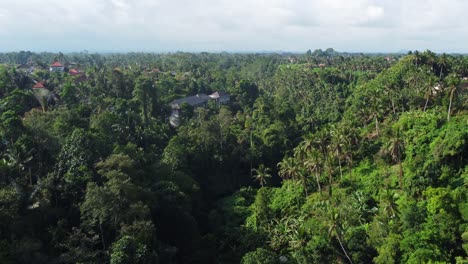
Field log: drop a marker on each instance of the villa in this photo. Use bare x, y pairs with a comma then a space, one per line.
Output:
199, 100
57, 67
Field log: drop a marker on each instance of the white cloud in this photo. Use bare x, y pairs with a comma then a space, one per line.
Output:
214, 25
375, 12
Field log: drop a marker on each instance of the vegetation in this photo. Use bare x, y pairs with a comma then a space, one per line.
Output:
320, 157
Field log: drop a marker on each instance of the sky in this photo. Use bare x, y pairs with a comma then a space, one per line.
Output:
233, 25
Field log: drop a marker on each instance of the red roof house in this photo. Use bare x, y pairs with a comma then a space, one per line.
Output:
38, 85
56, 64
73, 72
57, 67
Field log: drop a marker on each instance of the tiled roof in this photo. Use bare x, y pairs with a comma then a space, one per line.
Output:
56, 64
73, 72
38, 85
192, 100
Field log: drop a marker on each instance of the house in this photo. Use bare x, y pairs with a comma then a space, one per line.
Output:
292, 59
73, 72
220, 97
39, 85
57, 67
26, 68
198, 100
195, 101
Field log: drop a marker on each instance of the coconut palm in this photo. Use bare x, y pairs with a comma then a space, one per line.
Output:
288, 168
261, 175
313, 163
337, 143
395, 149
453, 83
337, 230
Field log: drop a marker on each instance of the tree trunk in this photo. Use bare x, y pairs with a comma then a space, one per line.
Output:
450, 104
377, 125
341, 171
400, 174
342, 247
102, 236
145, 110
427, 101
304, 183
318, 181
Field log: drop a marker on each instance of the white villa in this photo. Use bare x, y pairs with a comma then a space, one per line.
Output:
198, 100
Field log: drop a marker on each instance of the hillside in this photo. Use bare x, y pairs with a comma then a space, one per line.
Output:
320, 157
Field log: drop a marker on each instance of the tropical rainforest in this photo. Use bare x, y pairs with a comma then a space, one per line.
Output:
319, 157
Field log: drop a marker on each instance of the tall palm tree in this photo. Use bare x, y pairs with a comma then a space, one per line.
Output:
288, 168
350, 143
329, 169
453, 82
261, 175
374, 108
313, 163
337, 143
395, 148
336, 229
443, 64
18, 156
144, 93
432, 82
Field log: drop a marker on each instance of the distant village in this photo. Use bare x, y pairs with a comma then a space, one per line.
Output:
45, 96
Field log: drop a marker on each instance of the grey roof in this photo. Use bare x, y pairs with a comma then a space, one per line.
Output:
219, 94
192, 100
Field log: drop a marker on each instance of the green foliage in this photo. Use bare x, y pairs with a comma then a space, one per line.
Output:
287, 199
128, 250
364, 157
260, 256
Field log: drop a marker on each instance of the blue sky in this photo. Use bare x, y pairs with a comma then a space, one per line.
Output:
227, 25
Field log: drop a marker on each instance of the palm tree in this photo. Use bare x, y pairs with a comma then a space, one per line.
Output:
336, 229
337, 143
19, 158
262, 173
443, 62
329, 169
313, 163
396, 151
288, 168
144, 93
430, 86
453, 82
374, 107
350, 143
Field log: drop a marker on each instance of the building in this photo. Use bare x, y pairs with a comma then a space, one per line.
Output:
73, 72
57, 67
195, 101
26, 68
198, 100
221, 97
39, 85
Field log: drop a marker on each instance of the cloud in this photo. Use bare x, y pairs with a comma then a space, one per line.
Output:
375, 12
216, 25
